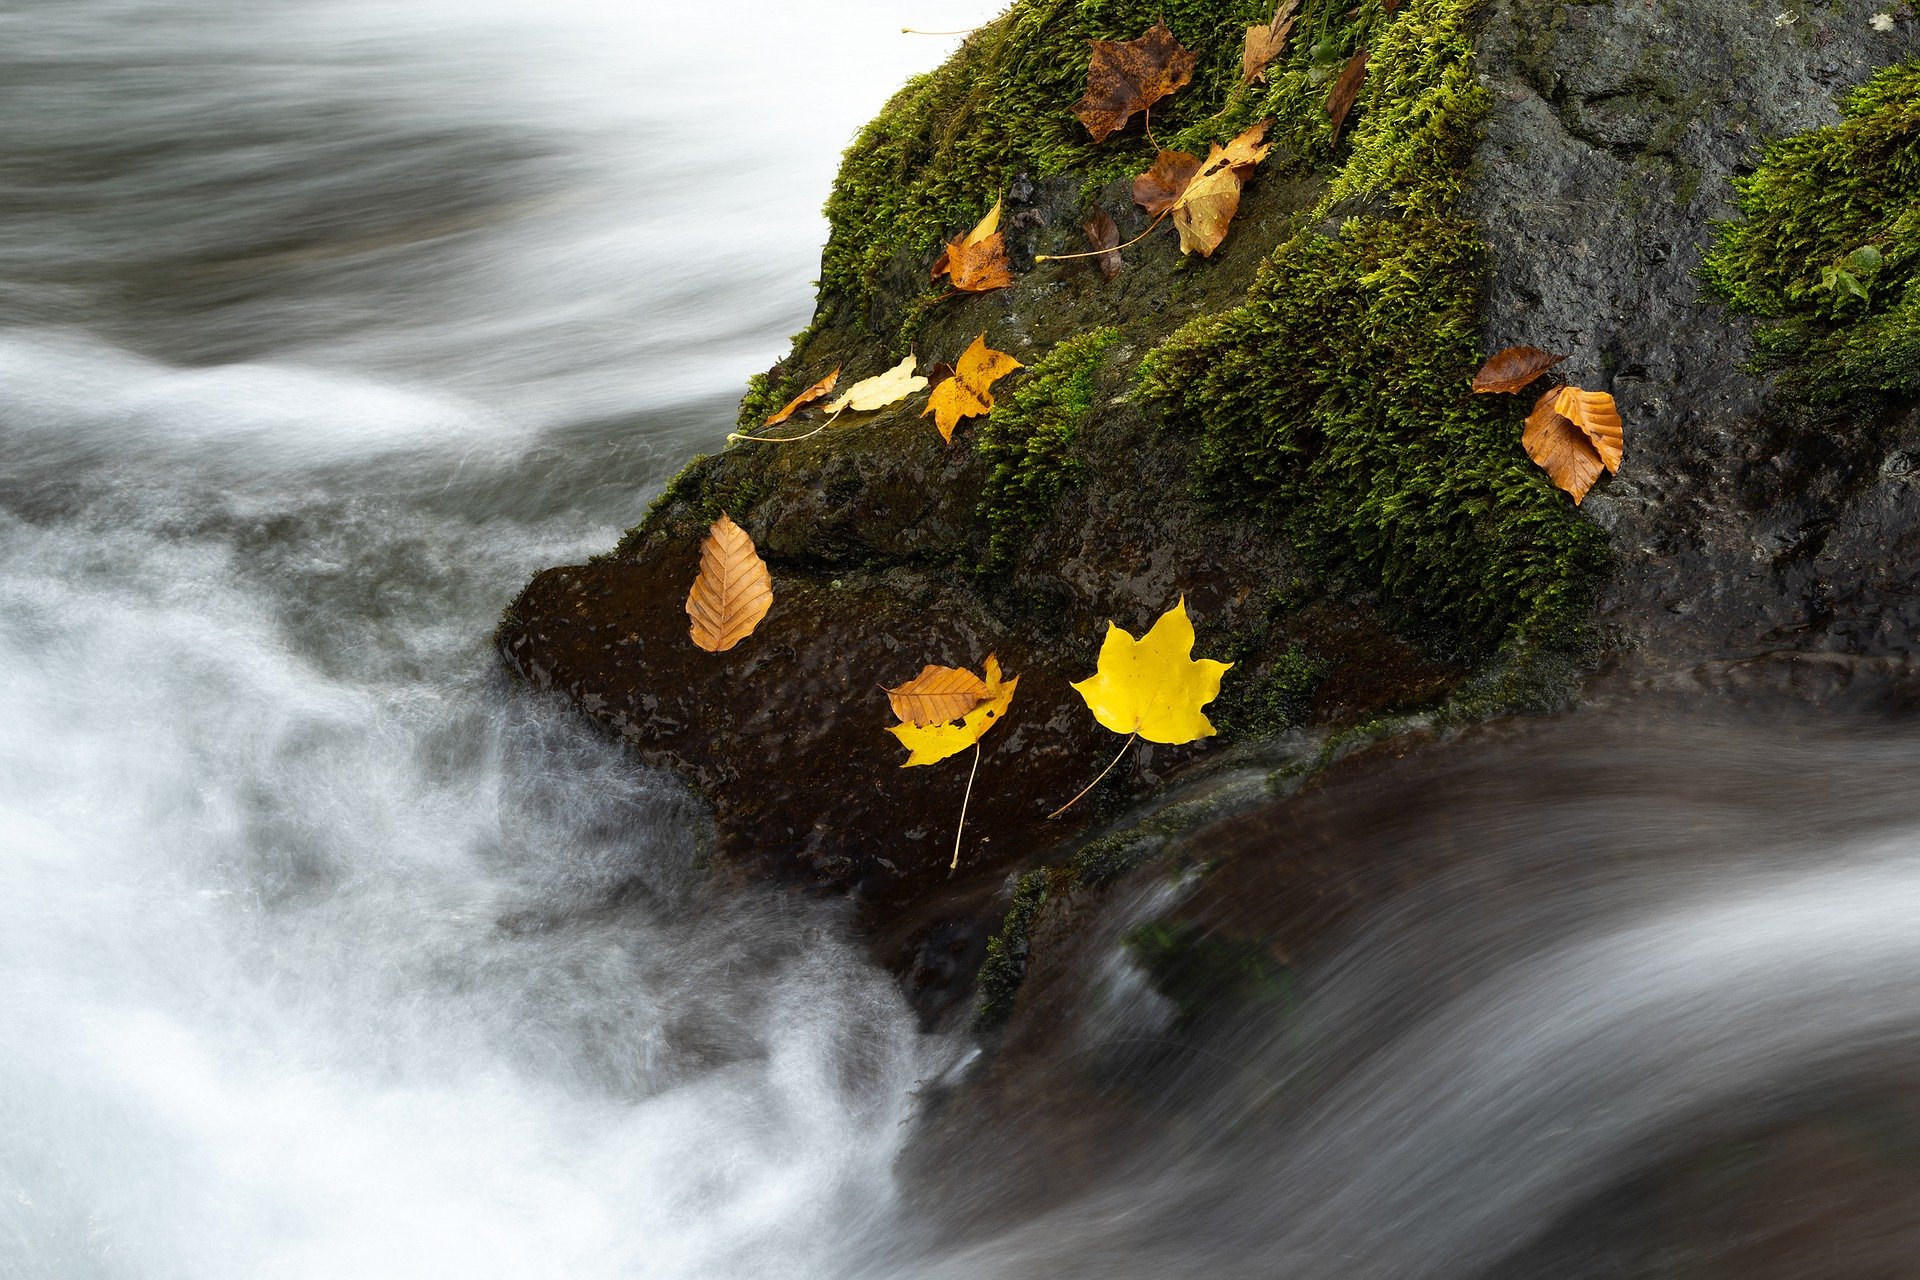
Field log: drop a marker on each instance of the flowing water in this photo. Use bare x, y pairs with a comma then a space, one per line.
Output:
326, 953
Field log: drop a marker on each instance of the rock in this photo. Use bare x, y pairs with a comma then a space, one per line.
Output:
1359, 537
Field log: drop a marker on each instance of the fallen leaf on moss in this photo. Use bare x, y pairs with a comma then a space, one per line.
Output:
1573, 436
1128, 76
1103, 235
968, 394
1265, 43
1203, 196
930, 744
881, 390
733, 590
805, 398
937, 695
1513, 369
1345, 90
977, 261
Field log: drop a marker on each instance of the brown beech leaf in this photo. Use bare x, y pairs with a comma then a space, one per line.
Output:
937, 695
733, 590
967, 393
805, 398
1598, 418
1345, 90
1127, 76
1103, 235
977, 261
1264, 44
1157, 188
1574, 435
1513, 369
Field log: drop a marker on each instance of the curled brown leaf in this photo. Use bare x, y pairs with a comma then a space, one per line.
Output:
1345, 90
805, 398
1102, 234
1513, 369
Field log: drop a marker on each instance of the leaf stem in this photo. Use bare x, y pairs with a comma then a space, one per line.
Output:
735, 435
1096, 782
964, 801
915, 31
1061, 257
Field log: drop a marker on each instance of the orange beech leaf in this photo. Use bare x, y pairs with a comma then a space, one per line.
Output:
733, 590
1573, 436
1127, 76
1345, 90
937, 695
1157, 188
1264, 44
1595, 413
1103, 235
967, 393
1513, 369
805, 398
977, 261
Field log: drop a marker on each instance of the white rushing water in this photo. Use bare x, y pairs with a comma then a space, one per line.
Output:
322, 953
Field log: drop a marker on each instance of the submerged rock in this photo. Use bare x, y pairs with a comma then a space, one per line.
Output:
1282, 433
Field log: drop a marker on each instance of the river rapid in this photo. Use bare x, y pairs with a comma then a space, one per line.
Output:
325, 952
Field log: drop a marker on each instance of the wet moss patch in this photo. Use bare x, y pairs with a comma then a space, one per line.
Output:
1827, 251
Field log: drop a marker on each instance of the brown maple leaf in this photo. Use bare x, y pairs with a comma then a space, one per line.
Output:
1573, 436
1104, 236
1513, 369
1128, 76
1264, 44
805, 398
1158, 188
977, 261
1345, 90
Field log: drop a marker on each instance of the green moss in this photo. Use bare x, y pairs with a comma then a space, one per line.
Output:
1336, 402
1828, 250
1005, 967
952, 141
1270, 696
1027, 442
1200, 971
1103, 862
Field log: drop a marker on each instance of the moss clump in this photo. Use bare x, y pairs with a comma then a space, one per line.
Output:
1200, 971
1005, 967
1103, 862
1027, 443
1828, 251
1336, 400
1272, 697
952, 140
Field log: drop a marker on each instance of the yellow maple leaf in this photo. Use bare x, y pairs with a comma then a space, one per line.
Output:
881, 390
1154, 686
968, 394
930, 744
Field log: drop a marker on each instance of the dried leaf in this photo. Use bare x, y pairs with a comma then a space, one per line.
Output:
1598, 418
881, 390
1158, 188
1574, 435
967, 393
1154, 686
977, 261
930, 744
1345, 90
1127, 76
1513, 369
1206, 208
1264, 44
1104, 235
805, 398
937, 695
733, 590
